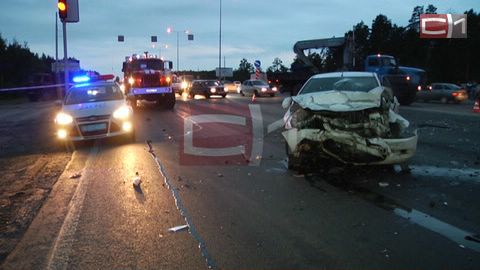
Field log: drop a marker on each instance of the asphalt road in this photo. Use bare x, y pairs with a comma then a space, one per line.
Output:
247, 211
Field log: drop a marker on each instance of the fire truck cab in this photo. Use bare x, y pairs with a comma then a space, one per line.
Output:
147, 77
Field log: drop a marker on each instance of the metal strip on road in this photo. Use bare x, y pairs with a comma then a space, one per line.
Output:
60, 254
257, 140
183, 211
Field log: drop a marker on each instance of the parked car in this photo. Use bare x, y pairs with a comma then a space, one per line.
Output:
443, 92
207, 88
257, 88
347, 118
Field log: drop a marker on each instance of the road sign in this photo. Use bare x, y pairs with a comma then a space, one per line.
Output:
121, 38
153, 38
224, 72
257, 63
71, 66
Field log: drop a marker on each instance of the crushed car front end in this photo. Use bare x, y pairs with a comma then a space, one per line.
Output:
349, 127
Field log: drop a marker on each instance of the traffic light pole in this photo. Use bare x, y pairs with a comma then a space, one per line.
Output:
65, 58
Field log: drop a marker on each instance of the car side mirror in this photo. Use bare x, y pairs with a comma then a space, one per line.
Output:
286, 102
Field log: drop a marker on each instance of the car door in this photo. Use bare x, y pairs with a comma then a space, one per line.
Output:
436, 92
246, 87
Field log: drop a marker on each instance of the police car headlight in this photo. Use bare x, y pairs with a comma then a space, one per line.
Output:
184, 85
131, 80
122, 113
63, 119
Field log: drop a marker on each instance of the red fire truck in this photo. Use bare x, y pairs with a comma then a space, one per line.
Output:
147, 77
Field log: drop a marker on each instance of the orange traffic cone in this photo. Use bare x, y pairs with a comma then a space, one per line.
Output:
476, 107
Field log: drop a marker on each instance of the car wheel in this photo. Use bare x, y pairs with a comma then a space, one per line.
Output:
224, 95
255, 93
241, 93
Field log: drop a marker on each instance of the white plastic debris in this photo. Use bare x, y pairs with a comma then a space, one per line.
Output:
75, 175
383, 184
137, 180
178, 228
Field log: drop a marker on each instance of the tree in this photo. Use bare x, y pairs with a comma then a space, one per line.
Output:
431, 9
244, 70
381, 32
277, 66
415, 18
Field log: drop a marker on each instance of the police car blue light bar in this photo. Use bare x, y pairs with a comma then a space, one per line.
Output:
81, 79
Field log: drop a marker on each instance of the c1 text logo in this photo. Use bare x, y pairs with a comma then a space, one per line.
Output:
443, 26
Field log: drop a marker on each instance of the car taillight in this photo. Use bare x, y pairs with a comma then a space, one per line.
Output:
455, 94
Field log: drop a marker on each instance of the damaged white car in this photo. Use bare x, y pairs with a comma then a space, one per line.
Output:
347, 118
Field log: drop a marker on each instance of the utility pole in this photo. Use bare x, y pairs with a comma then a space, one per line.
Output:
220, 45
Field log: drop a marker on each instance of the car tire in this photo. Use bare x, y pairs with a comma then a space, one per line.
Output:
224, 95
170, 104
255, 93
241, 93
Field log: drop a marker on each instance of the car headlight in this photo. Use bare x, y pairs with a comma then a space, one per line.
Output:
264, 89
184, 85
131, 80
213, 90
274, 88
122, 113
63, 119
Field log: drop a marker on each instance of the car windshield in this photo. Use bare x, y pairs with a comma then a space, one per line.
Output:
212, 83
93, 93
259, 83
141, 64
363, 84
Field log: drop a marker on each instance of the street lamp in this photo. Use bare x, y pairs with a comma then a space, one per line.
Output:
220, 45
170, 30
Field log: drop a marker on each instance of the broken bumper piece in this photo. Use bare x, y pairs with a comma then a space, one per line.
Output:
349, 147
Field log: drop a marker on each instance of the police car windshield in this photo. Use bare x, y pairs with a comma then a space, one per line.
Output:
93, 93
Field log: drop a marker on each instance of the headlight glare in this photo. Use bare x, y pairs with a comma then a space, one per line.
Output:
122, 113
63, 119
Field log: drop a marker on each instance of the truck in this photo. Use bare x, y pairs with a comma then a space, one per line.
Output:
147, 77
404, 81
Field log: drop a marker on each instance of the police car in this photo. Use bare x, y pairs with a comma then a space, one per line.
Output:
94, 108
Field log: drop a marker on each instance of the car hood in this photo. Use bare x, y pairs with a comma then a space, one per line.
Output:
340, 101
93, 108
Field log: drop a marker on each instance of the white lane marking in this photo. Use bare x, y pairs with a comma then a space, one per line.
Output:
275, 126
60, 253
257, 140
451, 232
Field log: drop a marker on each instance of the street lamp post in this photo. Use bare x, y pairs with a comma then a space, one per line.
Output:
170, 30
220, 45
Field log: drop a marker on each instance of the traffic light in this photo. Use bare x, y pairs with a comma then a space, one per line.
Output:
62, 9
